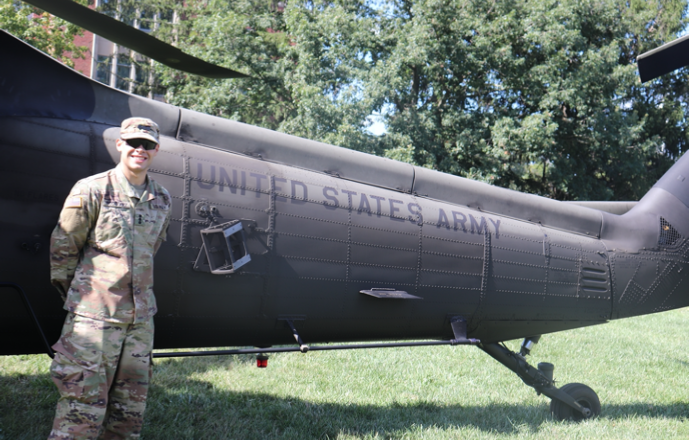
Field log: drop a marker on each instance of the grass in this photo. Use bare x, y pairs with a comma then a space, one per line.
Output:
639, 368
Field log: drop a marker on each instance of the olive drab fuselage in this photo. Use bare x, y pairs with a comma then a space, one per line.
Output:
322, 224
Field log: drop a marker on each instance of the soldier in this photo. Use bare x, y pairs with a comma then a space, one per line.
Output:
101, 259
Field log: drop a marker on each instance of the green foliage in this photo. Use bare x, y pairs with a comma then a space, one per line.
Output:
303, 80
538, 96
45, 32
332, 40
246, 35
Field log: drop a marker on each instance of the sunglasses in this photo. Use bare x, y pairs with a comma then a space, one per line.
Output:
145, 143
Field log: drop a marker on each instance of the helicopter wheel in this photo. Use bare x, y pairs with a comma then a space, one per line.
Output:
583, 395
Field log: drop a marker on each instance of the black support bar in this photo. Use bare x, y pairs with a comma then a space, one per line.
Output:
30, 309
312, 348
302, 346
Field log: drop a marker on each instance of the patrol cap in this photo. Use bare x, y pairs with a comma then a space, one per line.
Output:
139, 128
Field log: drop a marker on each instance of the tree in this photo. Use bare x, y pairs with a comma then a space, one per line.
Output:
303, 77
246, 35
539, 96
42, 30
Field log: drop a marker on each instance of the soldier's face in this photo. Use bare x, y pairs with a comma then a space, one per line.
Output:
136, 160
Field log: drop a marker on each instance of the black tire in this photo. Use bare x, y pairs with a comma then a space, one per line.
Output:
583, 395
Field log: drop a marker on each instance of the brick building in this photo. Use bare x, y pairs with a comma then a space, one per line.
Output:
111, 63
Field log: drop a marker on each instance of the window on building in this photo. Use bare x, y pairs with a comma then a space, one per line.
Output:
103, 69
123, 71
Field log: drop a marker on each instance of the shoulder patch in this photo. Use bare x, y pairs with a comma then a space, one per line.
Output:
74, 202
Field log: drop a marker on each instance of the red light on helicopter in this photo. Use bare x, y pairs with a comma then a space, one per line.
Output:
261, 361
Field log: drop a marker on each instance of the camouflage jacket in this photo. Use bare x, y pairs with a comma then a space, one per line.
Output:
101, 251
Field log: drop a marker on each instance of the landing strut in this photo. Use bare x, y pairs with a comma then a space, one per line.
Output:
573, 401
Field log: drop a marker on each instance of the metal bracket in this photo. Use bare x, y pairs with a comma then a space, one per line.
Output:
459, 326
224, 249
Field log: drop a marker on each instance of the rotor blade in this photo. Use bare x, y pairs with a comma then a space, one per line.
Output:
133, 38
664, 59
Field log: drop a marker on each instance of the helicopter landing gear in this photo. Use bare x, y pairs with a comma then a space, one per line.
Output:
573, 401
583, 395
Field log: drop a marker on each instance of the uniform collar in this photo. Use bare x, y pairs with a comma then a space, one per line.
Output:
126, 186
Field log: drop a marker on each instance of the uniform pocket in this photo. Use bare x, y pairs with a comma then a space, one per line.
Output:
67, 375
77, 379
109, 231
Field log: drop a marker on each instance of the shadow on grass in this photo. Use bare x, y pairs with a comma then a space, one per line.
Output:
200, 411
192, 409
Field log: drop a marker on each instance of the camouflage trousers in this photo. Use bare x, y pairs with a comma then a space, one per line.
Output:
102, 371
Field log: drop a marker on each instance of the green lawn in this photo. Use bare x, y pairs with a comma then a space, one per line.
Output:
639, 368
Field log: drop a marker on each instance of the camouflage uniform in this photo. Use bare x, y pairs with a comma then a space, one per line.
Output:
102, 263
102, 371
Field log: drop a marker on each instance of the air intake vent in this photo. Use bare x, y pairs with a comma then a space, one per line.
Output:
667, 234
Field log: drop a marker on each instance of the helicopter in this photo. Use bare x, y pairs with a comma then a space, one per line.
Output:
280, 243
